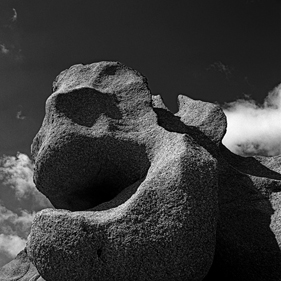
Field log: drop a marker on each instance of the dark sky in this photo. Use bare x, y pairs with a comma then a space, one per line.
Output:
209, 50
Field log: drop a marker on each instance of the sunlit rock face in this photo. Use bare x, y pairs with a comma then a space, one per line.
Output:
138, 184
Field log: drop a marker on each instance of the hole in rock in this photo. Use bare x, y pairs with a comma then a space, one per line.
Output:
84, 106
122, 165
110, 70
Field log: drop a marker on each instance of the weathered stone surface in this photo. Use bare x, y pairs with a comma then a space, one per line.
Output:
248, 230
91, 130
142, 188
20, 269
157, 102
142, 181
206, 117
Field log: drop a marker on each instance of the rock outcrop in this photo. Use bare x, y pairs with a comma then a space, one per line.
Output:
144, 194
150, 190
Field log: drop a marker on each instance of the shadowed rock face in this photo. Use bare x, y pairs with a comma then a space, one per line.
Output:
141, 181
144, 194
248, 229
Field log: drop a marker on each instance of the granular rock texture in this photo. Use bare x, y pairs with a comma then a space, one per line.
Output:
145, 194
142, 190
249, 225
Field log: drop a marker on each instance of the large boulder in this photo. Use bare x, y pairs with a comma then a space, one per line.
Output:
137, 183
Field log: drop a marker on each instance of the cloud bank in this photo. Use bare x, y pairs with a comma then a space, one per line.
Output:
14, 229
16, 175
12, 223
11, 244
254, 129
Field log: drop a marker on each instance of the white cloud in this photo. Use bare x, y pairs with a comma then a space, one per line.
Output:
11, 244
15, 224
20, 116
254, 129
15, 15
14, 229
3, 49
17, 173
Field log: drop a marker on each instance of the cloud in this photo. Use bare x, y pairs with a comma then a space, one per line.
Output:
12, 223
3, 49
254, 129
17, 173
223, 68
15, 15
11, 244
20, 116
14, 229
10, 44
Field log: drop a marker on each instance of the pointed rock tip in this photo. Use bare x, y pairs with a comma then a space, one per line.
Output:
157, 102
207, 117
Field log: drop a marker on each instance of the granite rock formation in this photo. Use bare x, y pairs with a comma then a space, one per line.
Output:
142, 193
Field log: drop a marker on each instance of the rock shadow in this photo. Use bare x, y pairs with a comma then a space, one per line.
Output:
84, 106
246, 246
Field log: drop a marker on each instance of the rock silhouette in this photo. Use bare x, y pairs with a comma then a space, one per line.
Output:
142, 193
